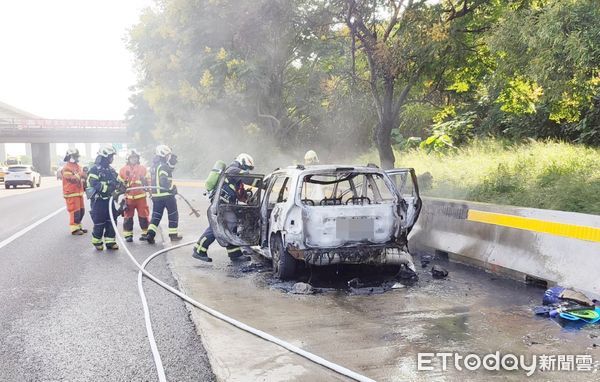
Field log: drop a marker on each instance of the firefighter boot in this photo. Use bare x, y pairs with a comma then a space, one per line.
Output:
236, 255
112, 246
150, 237
200, 254
175, 237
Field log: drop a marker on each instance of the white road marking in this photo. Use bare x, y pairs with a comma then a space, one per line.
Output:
22, 232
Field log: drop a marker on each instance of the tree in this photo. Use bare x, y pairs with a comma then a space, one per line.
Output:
405, 43
548, 69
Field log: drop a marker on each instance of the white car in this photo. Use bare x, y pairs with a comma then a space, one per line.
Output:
22, 175
319, 215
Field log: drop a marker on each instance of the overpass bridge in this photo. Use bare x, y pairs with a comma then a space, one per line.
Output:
40, 134
62, 131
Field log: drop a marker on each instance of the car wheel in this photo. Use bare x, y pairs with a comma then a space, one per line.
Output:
7, 186
32, 184
39, 183
284, 265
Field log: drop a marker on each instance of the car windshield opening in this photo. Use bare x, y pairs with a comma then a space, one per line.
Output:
345, 188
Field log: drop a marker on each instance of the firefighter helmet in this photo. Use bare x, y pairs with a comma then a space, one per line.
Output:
311, 157
107, 151
73, 154
245, 161
133, 153
163, 151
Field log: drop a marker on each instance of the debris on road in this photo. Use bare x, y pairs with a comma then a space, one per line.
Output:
425, 260
407, 274
355, 283
398, 286
438, 272
302, 288
568, 306
254, 267
558, 294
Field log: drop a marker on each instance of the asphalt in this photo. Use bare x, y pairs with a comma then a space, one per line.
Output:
71, 313
371, 329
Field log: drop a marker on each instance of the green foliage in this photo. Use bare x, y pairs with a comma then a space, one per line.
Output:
550, 175
401, 143
450, 134
278, 77
520, 96
553, 47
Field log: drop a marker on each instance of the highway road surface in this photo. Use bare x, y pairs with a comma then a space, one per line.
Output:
70, 313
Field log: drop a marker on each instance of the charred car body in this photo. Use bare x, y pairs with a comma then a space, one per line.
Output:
321, 215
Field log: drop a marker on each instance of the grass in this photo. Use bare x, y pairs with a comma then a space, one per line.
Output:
550, 175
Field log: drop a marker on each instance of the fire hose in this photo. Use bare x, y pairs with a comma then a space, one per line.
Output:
240, 325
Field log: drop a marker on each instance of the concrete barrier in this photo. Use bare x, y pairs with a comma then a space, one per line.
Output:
553, 246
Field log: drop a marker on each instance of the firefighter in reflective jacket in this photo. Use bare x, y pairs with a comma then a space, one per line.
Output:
161, 175
101, 183
133, 174
73, 179
232, 190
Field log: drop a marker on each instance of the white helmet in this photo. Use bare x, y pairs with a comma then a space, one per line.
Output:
246, 161
311, 157
163, 150
71, 155
107, 151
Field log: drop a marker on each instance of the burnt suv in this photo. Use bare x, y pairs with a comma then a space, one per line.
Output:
320, 215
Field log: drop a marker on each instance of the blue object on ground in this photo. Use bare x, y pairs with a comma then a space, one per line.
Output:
552, 295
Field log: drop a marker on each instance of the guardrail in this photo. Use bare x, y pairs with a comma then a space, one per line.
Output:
523, 243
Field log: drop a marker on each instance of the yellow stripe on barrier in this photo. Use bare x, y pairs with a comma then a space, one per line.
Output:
536, 225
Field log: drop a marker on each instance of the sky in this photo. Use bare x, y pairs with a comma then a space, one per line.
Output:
67, 59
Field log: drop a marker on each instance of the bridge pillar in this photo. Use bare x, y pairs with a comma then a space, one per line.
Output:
53, 153
2, 153
88, 150
40, 157
28, 150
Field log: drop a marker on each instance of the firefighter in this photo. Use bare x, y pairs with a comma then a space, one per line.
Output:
311, 158
233, 190
134, 174
161, 175
73, 179
102, 182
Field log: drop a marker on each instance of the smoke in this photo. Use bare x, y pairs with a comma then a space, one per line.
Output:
219, 92
210, 137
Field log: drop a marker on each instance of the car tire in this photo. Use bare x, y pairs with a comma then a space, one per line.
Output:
284, 265
7, 186
39, 182
32, 184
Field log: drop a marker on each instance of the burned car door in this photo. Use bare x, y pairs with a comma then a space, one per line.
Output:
405, 182
234, 213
